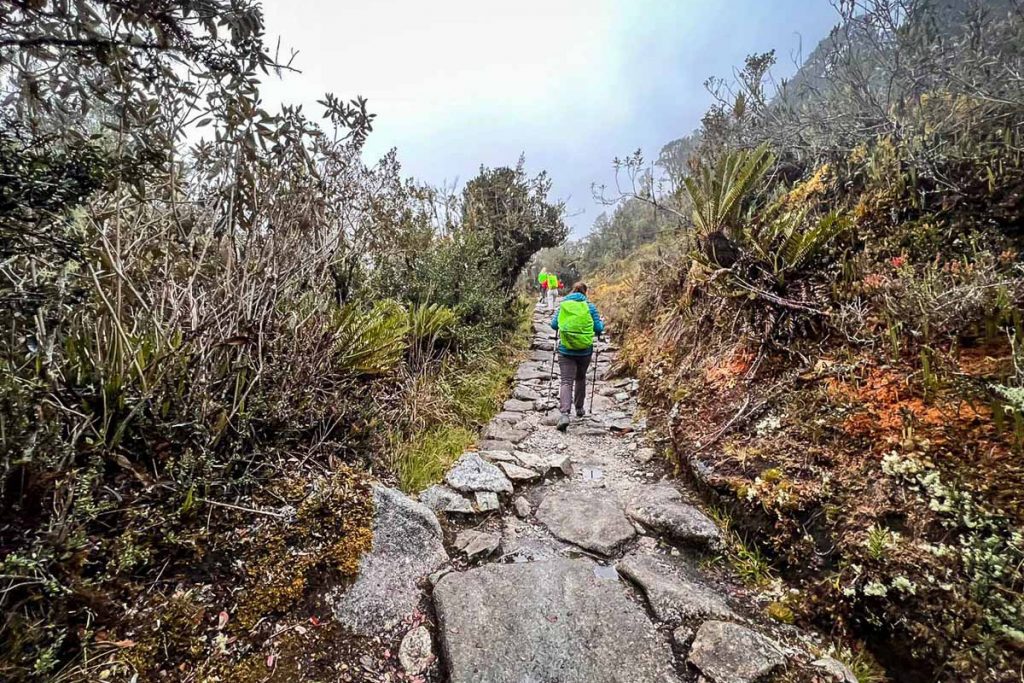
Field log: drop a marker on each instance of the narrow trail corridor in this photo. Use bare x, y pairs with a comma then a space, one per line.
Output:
577, 559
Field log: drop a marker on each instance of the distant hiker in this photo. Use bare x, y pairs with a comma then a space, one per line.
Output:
577, 321
542, 279
552, 290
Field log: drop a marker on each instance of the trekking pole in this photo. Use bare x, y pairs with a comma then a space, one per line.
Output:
593, 382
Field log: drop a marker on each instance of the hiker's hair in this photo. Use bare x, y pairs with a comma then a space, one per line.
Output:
579, 288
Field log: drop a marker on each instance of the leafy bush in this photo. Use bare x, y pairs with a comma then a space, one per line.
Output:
202, 345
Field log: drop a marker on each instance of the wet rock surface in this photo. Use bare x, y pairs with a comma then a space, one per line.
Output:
545, 621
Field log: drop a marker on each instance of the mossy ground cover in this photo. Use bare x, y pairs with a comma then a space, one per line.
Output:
236, 597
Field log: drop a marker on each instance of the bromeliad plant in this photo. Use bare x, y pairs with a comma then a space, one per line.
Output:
760, 246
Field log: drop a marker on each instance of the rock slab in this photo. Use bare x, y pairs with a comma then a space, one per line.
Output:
473, 543
545, 621
517, 473
442, 499
591, 519
497, 431
472, 473
730, 653
407, 546
662, 509
672, 594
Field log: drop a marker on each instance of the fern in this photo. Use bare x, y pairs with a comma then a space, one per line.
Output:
370, 342
430, 322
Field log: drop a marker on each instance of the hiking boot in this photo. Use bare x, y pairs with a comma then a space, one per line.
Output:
580, 412
563, 423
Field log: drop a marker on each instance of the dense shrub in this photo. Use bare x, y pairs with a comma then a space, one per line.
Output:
834, 345
205, 345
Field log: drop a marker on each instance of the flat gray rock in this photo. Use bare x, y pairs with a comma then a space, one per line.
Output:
498, 456
525, 393
509, 417
662, 509
622, 425
537, 463
477, 543
526, 373
440, 498
407, 546
672, 591
493, 445
591, 519
522, 507
730, 653
472, 473
486, 501
499, 431
542, 622
517, 473
516, 406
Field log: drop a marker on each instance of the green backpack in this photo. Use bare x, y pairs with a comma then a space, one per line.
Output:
575, 325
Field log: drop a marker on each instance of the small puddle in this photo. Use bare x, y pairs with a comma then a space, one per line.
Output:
592, 473
606, 572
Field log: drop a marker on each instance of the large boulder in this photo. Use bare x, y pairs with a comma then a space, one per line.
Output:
662, 509
591, 519
407, 546
674, 592
729, 653
545, 621
472, 473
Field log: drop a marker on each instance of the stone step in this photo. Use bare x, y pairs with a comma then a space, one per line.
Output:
546, 621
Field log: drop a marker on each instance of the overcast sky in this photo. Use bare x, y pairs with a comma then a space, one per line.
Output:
570, 83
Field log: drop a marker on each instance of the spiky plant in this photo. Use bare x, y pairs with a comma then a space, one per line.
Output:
717, 192
783, 243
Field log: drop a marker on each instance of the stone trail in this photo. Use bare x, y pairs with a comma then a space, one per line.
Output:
570, 558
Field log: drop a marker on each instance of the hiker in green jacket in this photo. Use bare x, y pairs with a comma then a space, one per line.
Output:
552, 290
577, 321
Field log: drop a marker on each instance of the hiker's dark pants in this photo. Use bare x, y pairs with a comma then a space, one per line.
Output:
574, 373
